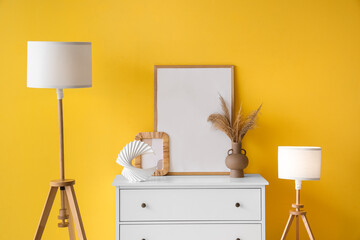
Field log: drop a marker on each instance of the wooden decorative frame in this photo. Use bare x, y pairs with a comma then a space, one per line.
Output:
156, 135
231, 103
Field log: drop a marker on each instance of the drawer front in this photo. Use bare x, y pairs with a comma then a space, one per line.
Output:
190, 204
191, 232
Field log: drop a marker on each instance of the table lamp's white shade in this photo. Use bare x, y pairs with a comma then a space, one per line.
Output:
59, 64
299, 163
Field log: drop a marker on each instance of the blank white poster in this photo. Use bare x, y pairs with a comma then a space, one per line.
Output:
185, 99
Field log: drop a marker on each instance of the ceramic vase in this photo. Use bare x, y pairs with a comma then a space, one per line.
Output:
236, 160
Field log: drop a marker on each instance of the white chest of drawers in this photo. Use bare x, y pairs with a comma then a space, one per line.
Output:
191, 208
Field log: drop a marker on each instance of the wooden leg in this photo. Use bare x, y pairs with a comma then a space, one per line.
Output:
45, 213
307, 226
297, 227
287, 228
70, 220
74, 207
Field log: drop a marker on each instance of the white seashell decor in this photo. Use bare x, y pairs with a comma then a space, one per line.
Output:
127, 154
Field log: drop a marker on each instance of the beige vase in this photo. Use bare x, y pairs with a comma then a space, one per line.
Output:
236, 160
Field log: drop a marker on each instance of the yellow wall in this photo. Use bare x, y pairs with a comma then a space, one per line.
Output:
299, 58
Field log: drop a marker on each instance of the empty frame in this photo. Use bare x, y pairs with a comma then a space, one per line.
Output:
159, 141
184, 98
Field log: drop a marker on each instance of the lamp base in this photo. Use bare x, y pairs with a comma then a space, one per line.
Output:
67, 189
296, 214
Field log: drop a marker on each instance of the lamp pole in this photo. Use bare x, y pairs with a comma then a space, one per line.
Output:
297, 188
63, 215
60, 96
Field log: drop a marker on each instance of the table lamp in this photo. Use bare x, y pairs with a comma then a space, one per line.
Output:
60, 65
299, 163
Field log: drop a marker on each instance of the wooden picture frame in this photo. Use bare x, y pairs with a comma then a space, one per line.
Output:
143, 136
219, 144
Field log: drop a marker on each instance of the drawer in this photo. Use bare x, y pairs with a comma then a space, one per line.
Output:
191, 232
190, 204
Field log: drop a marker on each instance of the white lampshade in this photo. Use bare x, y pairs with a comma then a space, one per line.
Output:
299, 163
59, 65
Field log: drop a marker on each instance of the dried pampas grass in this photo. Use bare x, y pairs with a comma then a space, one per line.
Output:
241, 125
221, 123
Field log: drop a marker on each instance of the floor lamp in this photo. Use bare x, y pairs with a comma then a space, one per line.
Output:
299, 163
60, 65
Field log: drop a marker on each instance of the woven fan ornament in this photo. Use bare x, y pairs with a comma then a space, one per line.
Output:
127, 154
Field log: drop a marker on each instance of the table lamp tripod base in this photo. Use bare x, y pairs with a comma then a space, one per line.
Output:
297, 213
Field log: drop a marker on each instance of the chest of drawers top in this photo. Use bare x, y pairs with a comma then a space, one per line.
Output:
203, 181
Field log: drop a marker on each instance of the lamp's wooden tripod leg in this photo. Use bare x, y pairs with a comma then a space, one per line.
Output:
74, 207
70, 220
307, 226
46, 212
297, 227
287, 228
